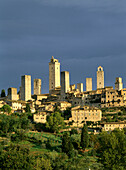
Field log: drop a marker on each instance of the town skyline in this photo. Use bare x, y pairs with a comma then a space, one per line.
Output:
94, 81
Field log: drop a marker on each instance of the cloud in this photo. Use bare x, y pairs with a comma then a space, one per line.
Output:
82, 34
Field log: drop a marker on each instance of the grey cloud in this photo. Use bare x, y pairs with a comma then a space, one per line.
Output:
81, 34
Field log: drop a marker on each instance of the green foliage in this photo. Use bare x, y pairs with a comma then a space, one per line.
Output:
6, 108
10, 123
55, 122
67, 113
67, 145
73, 131
39, 127
75, 138
84, 137
42, 163
16, 157
18, 136
3, 93
28, 109
56, 109
112, 149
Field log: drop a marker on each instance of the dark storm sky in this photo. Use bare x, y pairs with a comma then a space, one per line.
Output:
82, 34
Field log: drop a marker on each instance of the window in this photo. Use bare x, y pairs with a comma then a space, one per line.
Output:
85, 117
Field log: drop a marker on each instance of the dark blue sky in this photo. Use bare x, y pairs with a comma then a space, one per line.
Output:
82, 34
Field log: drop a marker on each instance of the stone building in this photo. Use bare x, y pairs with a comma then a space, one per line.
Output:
110, 126
88, 84
65, 82
12, 93
100, 77
85, 113
80, 87
40, 117
118, 83
54, 74
63, 105
113, 98
37, 86
26, 87
72, 87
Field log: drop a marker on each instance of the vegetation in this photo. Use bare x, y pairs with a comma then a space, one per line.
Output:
6, 108
55, 122
84, 137
26, 145
112, 149
28, 109
3, 93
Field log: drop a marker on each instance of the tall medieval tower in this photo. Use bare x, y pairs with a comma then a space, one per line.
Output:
100, 77
118, 83
37, 86
65, 82
54, 74
26, 87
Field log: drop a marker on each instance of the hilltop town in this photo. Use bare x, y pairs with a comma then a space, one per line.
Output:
84, 106
68, 128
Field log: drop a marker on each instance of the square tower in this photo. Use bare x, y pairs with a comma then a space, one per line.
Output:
37, 86
118, 83
100, 78
26, 87
12, 93
88, 84
65, 82
54, 74
80, 87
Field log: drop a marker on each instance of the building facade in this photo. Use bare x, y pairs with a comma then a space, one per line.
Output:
12, 93
100, 78
65, 82
26, 87
80, 87
54, 74
37, 86
118, 83
88, 84
85, 113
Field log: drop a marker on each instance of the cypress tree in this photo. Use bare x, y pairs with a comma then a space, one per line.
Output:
3, 93
84, 137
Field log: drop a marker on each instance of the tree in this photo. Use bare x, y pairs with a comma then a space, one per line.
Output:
3, 93
67, 113
84, 137
6, 108
16, 157
55, 122
112, 150
28, 109
67, 145
42, 163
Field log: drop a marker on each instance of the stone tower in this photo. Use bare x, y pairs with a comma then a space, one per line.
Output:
37, 86
100, 77
88, 84
54, 74
65, 82
118, 83
12, 93
26, 87
80, 87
